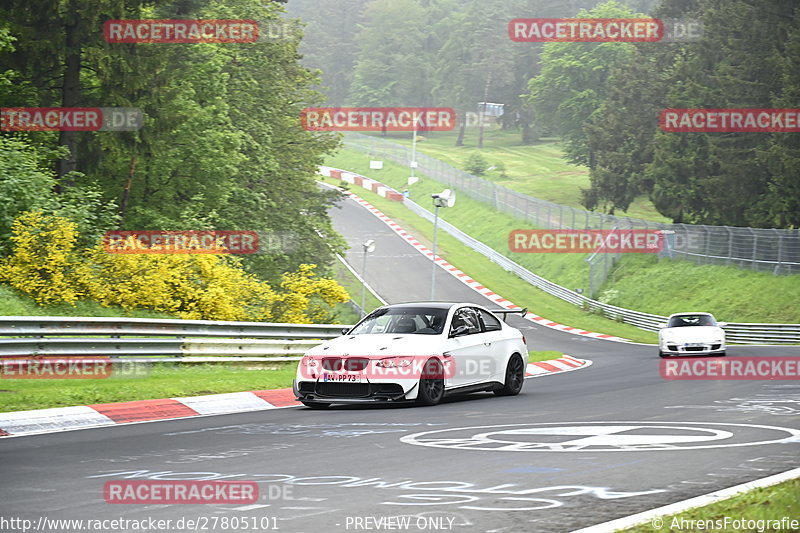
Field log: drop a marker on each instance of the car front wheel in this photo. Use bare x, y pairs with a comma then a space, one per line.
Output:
515, 377
431, 383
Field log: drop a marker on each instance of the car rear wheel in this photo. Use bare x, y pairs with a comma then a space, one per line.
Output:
316, 405
515, 377
431, 383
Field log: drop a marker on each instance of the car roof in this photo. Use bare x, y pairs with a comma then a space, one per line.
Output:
432, 305
690, 313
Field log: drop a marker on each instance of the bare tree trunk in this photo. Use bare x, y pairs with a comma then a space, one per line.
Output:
126, 191
482, 114
461, 129
70, 90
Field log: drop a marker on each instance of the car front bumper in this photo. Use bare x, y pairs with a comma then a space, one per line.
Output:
338, 392
697, 349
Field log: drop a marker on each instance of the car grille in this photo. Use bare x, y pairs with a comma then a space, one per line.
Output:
343, 390
350, 390
356, 364
695, 349
352, 364
332, 363
716, 346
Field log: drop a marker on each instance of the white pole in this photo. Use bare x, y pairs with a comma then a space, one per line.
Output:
433, 268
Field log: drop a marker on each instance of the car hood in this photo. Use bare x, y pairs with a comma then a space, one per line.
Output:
693, 334
380, 344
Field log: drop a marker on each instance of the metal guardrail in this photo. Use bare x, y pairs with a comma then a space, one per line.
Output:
743, 333
138, 337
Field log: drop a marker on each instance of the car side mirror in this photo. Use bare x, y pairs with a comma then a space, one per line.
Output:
458, 331
661, 325
345, 330
722, 324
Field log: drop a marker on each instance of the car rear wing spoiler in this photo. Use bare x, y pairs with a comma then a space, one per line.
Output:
506, 312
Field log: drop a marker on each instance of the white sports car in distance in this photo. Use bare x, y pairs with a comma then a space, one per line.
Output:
415, 352
691, 334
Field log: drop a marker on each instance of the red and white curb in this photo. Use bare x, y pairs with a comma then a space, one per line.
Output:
461, 276
565, 363
110, 414
38, 421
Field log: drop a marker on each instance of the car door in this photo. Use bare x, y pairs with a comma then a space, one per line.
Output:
467, 351
500, 344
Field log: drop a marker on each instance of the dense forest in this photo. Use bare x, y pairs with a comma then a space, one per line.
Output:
602, 99
221, 146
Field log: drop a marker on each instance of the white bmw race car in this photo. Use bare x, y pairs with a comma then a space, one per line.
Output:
415, 352
691, 334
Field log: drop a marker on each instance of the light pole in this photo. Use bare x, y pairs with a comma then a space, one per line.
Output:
414, 150
369, 246
446, 198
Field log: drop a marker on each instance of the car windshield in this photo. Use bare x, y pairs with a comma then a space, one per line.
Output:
416, 320
691, 320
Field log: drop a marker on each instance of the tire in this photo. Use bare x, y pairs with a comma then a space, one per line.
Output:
722, 354
431, 383
316, 405
515, 377
662, 354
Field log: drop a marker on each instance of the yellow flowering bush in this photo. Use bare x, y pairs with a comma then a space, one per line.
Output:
45, 264
305, 298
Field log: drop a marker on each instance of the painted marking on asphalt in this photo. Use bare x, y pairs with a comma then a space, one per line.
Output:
603, 436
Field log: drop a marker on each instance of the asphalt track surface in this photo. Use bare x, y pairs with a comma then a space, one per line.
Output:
572, 450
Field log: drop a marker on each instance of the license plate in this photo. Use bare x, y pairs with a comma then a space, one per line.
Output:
343, 378
694, 345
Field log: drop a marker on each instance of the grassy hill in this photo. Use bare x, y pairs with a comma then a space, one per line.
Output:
641, 283
537, 170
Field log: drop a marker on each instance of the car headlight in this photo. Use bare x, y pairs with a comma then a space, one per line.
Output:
394, 362
309, 361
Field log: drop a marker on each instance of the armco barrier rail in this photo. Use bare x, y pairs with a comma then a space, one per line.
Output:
135, 337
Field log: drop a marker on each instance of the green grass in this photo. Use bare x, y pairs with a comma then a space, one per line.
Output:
543, 355
537, 170
164, 381
768, 503
498, 280
732, 294
347, 280
15, 303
